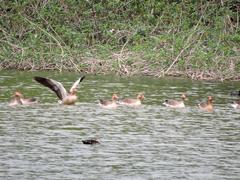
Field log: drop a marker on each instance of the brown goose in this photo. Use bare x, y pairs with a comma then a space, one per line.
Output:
108, 103
207, 106
18, 99
236, 104
133, 102
66, 98
175, 103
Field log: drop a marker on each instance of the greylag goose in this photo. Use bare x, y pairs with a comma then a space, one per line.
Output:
18, 99
236, 104
66, 98
175, 103
109, 103
207, 106
133, 102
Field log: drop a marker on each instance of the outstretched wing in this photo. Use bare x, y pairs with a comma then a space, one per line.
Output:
55, 86
75, 85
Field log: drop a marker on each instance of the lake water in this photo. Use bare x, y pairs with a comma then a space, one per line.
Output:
44, 141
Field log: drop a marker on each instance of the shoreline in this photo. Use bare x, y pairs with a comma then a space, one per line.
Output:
104, 67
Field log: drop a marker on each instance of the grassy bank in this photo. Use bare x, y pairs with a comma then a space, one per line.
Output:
197, 39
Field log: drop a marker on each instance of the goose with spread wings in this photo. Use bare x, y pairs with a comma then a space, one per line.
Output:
66, 98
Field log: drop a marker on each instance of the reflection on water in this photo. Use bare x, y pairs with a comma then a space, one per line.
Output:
149, 142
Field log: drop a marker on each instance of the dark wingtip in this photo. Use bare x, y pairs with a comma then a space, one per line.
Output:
38, 78
90, 141
82, 78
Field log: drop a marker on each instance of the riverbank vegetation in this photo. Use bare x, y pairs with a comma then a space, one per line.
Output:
197, 39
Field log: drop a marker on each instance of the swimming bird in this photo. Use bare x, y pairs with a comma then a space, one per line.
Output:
175, 103
133, 102
18, 99
66, 98
236, 104
90, 141
207, 106
109, 103
235, 93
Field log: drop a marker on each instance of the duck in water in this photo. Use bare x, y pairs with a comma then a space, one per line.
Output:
235, 93
90, 141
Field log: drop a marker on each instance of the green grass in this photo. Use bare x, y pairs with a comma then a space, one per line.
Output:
155, 37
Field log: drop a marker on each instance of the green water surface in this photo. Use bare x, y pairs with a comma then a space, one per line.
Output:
44, 141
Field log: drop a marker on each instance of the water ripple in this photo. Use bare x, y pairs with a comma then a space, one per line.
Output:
44, 141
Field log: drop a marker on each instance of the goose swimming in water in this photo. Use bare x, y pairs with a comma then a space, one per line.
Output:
236, 104
66, 98
109, 103
235, 93
175, 103
18, 99
133, 102
207, 106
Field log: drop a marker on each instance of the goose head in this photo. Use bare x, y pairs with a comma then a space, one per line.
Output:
140, 96
18, 94
184, 97
115, 97
210, 100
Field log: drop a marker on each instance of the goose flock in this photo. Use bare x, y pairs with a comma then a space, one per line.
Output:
70, 97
